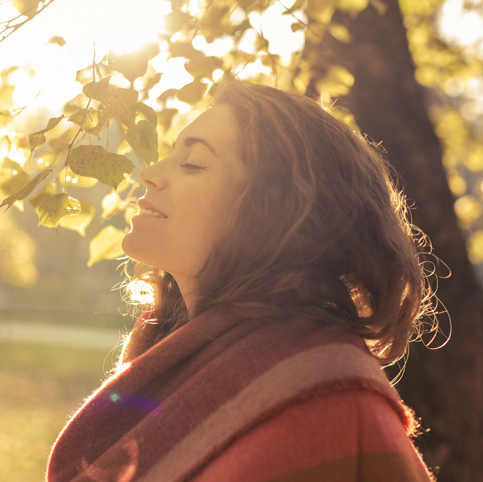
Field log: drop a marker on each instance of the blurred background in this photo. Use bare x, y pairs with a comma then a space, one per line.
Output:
407, 73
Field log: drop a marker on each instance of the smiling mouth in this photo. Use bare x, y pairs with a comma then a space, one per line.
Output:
150, 212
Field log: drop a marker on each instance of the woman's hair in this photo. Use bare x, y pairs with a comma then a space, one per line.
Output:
319, 229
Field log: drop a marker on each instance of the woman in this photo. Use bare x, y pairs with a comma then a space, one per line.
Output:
286, 273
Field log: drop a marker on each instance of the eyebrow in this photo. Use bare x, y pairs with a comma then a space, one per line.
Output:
189, 141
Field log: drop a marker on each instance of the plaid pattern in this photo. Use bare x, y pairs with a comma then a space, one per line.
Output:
179, 410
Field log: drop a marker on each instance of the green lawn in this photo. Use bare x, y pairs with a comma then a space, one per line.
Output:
40, 386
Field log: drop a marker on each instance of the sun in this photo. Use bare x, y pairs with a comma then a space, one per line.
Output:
78, 27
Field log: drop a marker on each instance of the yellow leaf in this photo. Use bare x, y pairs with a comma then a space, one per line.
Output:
26, 190
98, 90
340, 32
468, 209
56, 207
129, 213
107, 244
57, 40
120, 99
26, 7
79, 222
475, 247
112, 204
47, 191
60, 144
134, 140
4, 118
96, 162
91, 121
192, 92
12, 177
17, 262
37, 139
69, 178
352, 6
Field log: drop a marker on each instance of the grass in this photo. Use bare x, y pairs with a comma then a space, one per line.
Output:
40, 387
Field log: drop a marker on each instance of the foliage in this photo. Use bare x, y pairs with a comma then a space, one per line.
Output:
107, 104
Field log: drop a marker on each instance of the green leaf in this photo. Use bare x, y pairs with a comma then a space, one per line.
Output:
193, 92
37, 139
47, 191
98, 90
56, 207
26, 190
80, 222
91, 121
107, 244
96, 162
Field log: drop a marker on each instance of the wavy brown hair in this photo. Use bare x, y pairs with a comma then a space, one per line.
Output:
319, 229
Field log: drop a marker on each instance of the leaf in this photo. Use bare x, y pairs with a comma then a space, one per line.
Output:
96, 162
26, 190
112, 204
91, 121
56, 207
26, 7
107, 244
119, 99
132, 65
79, 222
140, 118
68, 178
175, 21
150, 155
5, 117
98, 90
295, 27
47, 191
37, 139
165, 117
193, 92
60, 144
12, 177
141, 134
340, 32
203, 67
57, 40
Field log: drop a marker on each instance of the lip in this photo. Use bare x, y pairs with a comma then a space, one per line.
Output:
143, 204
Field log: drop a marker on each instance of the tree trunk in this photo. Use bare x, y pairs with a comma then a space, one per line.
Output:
445, 387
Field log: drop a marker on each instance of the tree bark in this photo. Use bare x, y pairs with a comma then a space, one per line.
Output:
445, 387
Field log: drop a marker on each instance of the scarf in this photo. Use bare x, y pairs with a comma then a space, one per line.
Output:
165, 415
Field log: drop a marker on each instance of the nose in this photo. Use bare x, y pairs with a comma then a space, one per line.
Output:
154, 176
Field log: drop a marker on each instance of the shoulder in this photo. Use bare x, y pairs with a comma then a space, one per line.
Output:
351, 435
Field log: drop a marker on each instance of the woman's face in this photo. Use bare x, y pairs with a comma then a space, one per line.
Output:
191, 188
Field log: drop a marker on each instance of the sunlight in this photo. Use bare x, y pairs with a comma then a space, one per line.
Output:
459, 25
114, 25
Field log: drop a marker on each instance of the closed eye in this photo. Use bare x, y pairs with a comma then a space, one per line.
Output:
192, 167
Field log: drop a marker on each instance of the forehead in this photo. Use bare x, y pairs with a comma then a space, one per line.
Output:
218, 126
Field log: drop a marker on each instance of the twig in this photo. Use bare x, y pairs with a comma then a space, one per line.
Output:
14, 28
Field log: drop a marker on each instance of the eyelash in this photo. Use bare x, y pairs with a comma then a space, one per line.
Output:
192, 167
